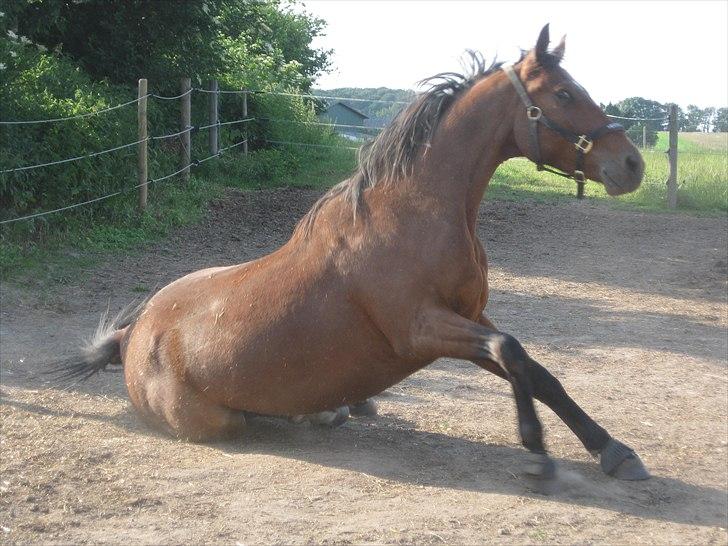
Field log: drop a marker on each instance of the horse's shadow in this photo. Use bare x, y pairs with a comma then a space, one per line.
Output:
390, 448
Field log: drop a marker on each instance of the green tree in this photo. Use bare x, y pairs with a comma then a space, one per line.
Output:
720, 121
123, 41
693, 119
612, 110
163, 40
638, 107
707, 121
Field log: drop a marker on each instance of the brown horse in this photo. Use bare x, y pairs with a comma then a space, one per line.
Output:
383, 276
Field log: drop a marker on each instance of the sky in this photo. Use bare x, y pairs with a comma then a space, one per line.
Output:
668, 51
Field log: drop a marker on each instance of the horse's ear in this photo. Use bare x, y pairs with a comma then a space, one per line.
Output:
558, 51
542, 44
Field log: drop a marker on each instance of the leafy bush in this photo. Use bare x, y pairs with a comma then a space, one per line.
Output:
40, 85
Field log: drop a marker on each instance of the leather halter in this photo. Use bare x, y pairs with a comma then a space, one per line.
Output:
582, 143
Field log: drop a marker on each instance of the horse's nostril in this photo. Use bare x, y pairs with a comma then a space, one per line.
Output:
632, 163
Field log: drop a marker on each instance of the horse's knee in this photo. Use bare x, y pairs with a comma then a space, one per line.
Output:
506, 351
512, 351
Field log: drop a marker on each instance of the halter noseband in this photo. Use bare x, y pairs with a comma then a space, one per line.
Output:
582, 143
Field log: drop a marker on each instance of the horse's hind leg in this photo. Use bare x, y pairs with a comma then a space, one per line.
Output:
165, 401
616, 459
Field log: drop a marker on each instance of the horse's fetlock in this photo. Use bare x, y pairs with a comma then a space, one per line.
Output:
531, 435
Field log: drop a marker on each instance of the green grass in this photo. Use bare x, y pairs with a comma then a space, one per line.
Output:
59, 255
314, 168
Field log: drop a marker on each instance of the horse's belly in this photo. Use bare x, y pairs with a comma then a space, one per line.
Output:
284, 393
290, 378
302, 359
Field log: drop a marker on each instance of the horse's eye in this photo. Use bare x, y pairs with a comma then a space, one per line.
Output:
563, 95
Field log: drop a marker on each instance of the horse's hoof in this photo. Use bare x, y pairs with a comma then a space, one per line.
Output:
367, 408
541, 466
541, 470
621, 462
331, 419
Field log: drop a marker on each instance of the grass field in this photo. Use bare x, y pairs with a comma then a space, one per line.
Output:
702, 177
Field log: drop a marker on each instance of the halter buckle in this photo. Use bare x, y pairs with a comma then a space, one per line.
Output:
533, 113
579, 177
584, 144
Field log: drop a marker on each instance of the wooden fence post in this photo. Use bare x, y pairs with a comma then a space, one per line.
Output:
672, 153
213, 117
185, 122
143, 151
644, 137
245, 115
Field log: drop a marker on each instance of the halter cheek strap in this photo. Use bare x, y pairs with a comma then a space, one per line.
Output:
582, 143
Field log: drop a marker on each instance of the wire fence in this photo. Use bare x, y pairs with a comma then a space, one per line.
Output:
357, 130
138, 142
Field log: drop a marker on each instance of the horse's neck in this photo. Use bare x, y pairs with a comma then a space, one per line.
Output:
472, 139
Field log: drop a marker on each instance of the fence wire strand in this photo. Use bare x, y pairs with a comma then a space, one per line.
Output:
172, 135
165, 177
69, 207
94, 154
220, 151
327, 97
70, 159
162, 97
362, 127
79, 116
96, 199
221, 123
302, 95
312, 145
638, 119
220, 91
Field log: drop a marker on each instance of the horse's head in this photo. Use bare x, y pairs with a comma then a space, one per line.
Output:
565, 128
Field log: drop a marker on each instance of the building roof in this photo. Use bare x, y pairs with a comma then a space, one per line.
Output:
354, 110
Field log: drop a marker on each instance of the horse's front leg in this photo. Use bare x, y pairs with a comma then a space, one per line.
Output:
616, 459
443, 333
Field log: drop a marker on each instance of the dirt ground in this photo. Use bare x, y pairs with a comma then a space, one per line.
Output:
628, 309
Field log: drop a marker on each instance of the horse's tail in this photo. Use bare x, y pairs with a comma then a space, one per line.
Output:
101, 350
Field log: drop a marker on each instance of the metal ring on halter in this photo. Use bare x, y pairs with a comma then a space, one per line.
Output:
533, 112
584, 144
